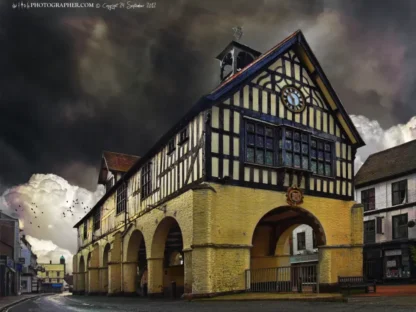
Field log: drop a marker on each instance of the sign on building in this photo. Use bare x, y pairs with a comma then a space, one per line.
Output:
22, 260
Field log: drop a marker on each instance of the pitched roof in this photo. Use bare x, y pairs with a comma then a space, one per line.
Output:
296, 41
118, 161
388, 164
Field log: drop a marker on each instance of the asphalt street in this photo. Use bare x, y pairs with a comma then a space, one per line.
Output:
67, 302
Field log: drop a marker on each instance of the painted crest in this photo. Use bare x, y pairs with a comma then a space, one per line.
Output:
294, 196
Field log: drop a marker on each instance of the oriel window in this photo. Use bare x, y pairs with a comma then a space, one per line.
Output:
368, 199
146, 180
259, 143
399, 192
121, 197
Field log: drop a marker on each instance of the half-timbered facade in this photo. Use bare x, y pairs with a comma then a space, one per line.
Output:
270, 148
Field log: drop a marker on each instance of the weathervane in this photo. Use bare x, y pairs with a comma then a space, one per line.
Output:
238, 32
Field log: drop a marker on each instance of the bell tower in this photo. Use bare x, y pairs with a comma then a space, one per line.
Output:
235, 56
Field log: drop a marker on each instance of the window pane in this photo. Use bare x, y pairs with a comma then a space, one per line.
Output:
269, 132
313, 166
395, 186
250, 127
250, 154
259, 156
305, 162
304, 138
320, 155
305, 148
327, 147
250, 139
288, 161
260, 141
297, 161
296, 136
328, 156
313, 143
269, 143
260, 129
320, 168
296, 147
280, 143
328, 170
280, 159
289, 145
269, 158
313, 153
320, 145
288, 134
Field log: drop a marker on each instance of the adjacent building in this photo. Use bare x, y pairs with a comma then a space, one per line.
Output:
53, 276
29, 281
386, 186
9, 255
216, 199
304, 246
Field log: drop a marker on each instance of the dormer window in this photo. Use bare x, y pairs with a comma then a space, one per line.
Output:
183, 135
171, 146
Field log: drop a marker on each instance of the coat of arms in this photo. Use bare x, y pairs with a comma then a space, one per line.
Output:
294, 196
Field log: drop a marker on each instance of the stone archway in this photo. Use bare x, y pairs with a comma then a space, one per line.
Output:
168, 273
81, 276
104, 269
272, 243
135, 264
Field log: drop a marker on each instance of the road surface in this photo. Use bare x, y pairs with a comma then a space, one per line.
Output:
68, 303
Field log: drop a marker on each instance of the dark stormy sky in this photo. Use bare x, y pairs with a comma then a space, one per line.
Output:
77, 81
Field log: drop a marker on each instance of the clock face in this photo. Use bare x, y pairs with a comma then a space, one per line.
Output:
293, 99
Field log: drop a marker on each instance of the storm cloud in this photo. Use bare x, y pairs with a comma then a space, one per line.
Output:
78, 81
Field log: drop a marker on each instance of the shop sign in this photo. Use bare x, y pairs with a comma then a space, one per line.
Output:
391, 264
22, 260
389, 253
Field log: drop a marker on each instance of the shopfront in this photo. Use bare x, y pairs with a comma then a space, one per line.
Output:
390, 262
7, 276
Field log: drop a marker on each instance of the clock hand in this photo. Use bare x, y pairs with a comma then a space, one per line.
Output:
294, 99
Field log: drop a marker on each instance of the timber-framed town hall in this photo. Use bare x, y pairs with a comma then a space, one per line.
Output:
218, 196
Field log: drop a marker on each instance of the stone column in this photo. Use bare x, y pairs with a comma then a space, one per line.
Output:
103, 272
129, 278
155, 276
114, 280
187, 261
93, 281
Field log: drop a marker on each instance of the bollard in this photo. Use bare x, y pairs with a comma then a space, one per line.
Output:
173, 289
145, 290
300, 285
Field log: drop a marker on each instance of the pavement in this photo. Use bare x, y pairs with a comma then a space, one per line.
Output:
6, 302
67, 302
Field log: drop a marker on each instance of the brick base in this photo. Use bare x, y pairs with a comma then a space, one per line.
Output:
329, 288
191, 296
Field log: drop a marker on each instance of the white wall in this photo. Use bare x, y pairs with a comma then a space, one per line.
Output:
383, 191
308, 239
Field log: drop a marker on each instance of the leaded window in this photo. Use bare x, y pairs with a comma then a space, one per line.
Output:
121, 198
171, 146
400, 226
146, 180
183, 135
288, 147
260, 144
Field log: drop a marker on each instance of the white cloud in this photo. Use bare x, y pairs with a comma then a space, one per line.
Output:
378, 139
47, 251
41, 204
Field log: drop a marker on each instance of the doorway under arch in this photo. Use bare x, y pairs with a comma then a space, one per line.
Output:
81, 271
135, 265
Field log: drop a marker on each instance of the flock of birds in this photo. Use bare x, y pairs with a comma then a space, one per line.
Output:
69, 210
